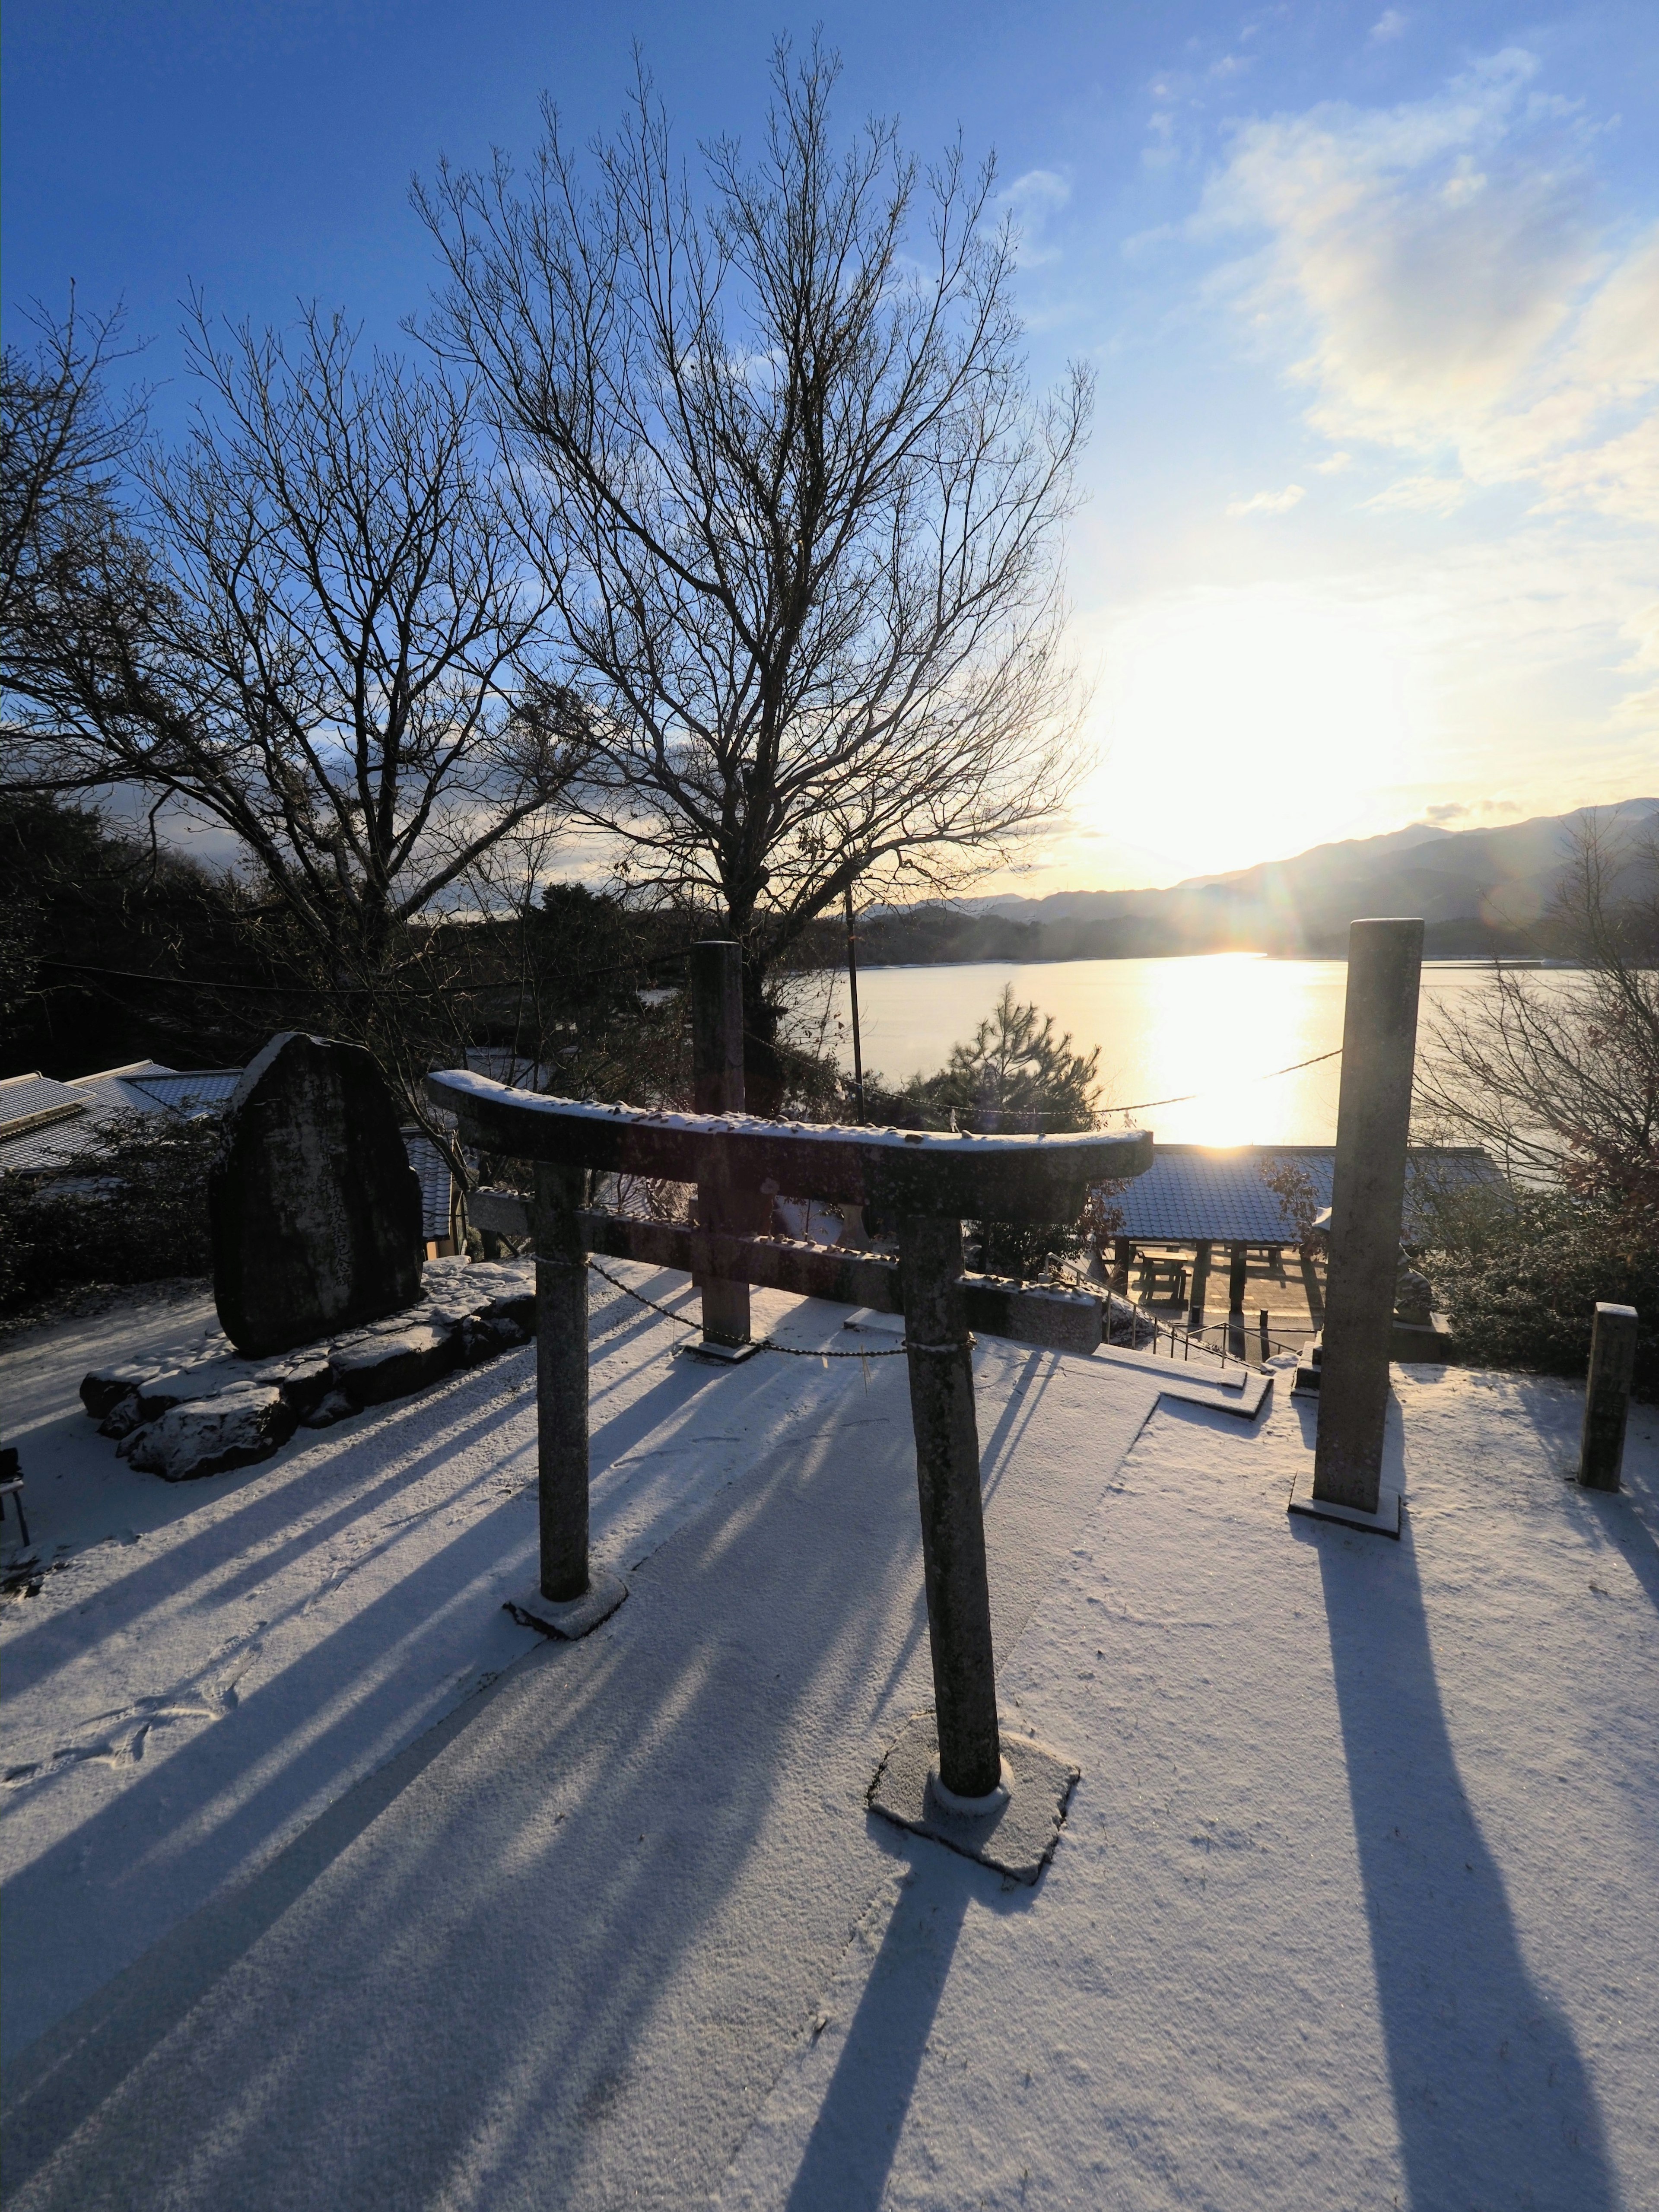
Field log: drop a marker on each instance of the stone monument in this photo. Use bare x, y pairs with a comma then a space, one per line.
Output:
315, 1209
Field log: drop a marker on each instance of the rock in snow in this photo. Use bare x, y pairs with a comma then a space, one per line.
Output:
104, 1389
391, 1364
468, 1313
210, 1435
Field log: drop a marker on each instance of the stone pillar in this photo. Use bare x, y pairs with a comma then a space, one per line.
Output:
953, 1517
1238, 1257
1607, 1396
1123, 1253
717, 1088
560, 1381
1373, 1121
1200, 1284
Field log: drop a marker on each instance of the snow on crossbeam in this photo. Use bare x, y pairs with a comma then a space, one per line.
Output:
1019, 1178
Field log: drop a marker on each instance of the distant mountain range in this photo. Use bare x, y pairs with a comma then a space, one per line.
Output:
1479, 892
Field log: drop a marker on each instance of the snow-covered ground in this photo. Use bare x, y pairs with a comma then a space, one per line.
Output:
327, 1885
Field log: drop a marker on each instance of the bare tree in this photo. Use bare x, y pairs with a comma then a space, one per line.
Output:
1563, 1085
64, 443
313, 626
319, 636
775, 456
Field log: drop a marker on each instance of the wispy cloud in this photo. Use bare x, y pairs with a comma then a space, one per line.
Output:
1269, 502
1033, 201
1421, 496
1389, 25
1482, 810
1437, 272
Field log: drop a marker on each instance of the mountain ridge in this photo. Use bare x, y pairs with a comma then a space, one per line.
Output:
1481, 892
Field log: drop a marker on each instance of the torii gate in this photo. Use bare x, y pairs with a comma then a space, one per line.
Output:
925, 1184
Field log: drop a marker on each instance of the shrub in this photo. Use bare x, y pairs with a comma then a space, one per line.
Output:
133, 1210
1016, 1075
1519, 1277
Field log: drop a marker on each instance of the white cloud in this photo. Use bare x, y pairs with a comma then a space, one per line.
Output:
1033, 201
1468, 815
1389, 25
1269, 502
1438, 274
1421, 496
1334, 464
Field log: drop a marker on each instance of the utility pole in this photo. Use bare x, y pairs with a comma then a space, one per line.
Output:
853, 994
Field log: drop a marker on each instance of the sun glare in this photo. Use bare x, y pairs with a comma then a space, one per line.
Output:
1238, 725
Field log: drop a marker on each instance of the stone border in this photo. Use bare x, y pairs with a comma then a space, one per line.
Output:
224, 1411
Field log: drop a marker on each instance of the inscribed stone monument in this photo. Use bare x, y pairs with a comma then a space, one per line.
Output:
316, 1211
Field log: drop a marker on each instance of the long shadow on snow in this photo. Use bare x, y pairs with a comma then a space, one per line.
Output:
275, 1493
451, 2011
849, 2153
1492, 2097
200, 1821
202, 1831
272, 1497
285, 1493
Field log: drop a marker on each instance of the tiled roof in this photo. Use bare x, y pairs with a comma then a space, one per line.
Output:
1190, 1192
200, 1091
61, 1142
433, 1168
25, 1097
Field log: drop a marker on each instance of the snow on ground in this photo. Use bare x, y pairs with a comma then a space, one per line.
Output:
1355, 1902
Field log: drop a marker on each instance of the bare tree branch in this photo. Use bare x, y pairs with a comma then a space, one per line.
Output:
774, 456
314, 628
1564, 1086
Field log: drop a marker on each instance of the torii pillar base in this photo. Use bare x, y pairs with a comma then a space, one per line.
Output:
1385, 1521
1013, 1830
572, 1617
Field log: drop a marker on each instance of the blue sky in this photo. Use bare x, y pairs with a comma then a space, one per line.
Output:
1372, 531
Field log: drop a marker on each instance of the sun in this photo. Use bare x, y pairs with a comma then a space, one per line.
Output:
1238, 725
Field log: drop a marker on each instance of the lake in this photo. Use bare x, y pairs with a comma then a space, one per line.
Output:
1217, 1025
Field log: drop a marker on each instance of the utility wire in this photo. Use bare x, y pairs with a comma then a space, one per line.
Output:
1141, 1104
329, 990
578, 975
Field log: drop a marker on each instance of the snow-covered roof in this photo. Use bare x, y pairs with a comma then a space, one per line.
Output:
1191, 1192
27, 1100
198, 1091
88, 1104
433, 1169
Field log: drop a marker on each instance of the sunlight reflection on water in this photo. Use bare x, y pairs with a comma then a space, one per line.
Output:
1210, 1022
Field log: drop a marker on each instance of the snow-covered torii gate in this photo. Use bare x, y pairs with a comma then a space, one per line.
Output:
925, 1184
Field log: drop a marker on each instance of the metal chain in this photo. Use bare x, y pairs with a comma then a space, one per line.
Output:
766, 1343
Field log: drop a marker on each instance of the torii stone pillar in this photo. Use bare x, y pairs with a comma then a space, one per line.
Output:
1373, 1121
716, 977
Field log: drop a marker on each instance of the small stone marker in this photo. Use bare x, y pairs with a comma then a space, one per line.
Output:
316, 1211
1607, 1396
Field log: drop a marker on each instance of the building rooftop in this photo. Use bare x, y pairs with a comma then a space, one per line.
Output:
1191, 1193
47, 1124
